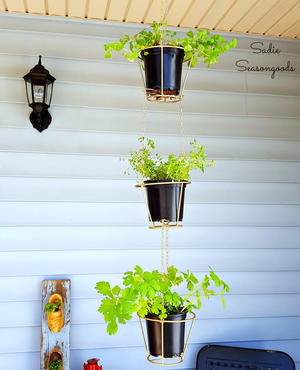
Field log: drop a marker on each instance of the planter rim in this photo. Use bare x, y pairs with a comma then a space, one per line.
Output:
163, 46
192, 314
161, 182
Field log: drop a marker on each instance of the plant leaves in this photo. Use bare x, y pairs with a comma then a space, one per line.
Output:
153, 292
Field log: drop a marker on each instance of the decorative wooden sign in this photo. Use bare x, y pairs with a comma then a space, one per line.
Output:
55, 335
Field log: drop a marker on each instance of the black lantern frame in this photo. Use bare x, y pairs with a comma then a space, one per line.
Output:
39, 88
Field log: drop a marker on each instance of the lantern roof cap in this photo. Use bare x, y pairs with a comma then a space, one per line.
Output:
40, 70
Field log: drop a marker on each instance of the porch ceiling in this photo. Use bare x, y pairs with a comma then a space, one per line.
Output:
279, 18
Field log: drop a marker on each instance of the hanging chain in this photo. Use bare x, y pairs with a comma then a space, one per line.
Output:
181, 117
144, 118
181, 129
161, 18
164, 7
143, 125
164, 248
167, 246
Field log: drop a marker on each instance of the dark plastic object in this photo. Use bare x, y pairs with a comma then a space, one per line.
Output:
173, 336
213, 357
163, 200
172, 69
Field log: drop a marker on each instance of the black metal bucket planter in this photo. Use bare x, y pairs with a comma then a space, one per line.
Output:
166, 340
161, 69
164, 201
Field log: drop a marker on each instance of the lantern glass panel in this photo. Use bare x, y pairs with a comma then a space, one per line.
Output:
28, 92
38, 93
48, 93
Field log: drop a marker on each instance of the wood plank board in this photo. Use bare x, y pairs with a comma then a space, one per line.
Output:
57, 7
53, 45
205, 331
292, 31
96, 9
234, 14
273, 15
80, 262
111, 214
102, 120
241, 283
2, 6
176, 12
50, 341
129, 97
103, 191
59, 238
117, 10
137, 10
286, 22
216, 13
36, 6
136, 355
90, 167
202, 78
224, 15
238, 306
250, 18
196, 12
97, 143
76, 8
156, 11
16, 6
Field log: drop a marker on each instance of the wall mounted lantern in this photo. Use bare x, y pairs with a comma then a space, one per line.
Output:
39, 87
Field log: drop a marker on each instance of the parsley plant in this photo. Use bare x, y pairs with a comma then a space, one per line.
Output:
147, 165
55, 364
52, 307
145, 292
199, 45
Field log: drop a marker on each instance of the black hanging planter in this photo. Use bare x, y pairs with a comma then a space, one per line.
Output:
163, 71
168, 341
165, 200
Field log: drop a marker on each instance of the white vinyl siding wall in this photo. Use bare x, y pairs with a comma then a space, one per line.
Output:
67, 210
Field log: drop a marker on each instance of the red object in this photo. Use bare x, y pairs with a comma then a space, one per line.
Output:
92, 364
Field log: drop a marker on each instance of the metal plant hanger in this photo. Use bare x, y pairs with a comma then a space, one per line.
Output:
162, 57
159, 95
165, 326
176, 220
163, 359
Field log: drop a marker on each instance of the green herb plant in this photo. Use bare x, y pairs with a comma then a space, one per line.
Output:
52, 307
153, 292
199, 45
151, 166
55, 364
